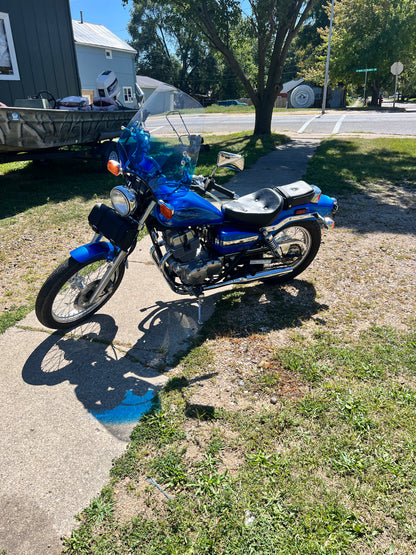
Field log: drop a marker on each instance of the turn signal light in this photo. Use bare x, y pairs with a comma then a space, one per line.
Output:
166, 210
114, 167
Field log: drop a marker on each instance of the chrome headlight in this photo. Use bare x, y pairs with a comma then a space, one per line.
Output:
123, 200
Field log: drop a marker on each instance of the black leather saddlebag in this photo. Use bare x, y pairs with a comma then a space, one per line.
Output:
295, 194
120, 231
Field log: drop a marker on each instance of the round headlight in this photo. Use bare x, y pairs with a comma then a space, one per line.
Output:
123, 200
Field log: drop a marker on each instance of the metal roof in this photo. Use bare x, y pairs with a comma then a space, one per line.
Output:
93, 34
148, 82
290, 85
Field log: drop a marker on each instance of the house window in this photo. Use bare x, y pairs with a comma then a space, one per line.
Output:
128, 94
108, 54
8, 62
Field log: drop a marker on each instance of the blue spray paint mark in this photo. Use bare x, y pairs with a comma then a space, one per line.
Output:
129, 410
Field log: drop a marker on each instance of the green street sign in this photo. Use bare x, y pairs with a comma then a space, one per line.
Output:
364, 70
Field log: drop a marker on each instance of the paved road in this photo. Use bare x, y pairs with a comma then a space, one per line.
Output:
312, 123
400, 123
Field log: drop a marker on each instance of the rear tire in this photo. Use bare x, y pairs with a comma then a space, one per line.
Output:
62, 301
300, 243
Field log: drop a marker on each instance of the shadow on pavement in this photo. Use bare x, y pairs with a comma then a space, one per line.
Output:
115, 384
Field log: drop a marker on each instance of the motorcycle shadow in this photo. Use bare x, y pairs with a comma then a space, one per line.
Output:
264, 307
114, 388
118, 385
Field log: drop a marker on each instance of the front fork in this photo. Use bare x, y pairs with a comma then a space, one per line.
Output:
119, 259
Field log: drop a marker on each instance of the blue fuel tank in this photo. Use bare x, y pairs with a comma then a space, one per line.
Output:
189, 208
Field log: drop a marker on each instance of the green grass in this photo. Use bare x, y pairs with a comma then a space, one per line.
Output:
215, 109
252, 147
350, 165
12, 316
28, 185
332, 472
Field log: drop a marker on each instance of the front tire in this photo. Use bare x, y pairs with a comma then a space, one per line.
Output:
63, 300
299, 243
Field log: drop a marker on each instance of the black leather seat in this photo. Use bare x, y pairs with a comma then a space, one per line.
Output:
257, 209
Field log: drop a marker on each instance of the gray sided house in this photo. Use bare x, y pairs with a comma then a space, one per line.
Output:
98, 50
36, 50
147, 85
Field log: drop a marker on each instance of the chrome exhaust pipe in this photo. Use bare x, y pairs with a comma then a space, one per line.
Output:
160, 263
256, 277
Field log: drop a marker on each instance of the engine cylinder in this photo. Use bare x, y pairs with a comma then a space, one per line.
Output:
183, 246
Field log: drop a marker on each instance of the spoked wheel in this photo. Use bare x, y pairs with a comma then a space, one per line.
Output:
64, 299
298, 246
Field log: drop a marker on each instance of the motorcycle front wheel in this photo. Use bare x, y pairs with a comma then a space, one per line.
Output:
298, 246
63, 300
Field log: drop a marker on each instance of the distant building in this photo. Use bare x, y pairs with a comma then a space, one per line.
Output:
147, 84
97, 50
37, 50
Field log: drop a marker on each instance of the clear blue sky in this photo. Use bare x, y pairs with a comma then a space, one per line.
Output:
110, 13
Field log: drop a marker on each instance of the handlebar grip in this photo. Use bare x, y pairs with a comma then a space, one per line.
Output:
220, 189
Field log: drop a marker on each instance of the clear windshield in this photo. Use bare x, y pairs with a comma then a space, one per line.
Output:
163, 137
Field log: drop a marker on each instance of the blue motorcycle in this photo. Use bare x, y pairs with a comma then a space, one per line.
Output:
204, 236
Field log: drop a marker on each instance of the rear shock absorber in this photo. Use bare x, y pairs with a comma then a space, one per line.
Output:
272, 244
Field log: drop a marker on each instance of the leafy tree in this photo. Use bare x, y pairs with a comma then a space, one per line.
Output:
407, 80
150, 38
368, 34
170, 51
308, 43
271, 26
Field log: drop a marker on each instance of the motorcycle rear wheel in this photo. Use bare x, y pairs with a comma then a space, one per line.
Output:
63, 300
300, 244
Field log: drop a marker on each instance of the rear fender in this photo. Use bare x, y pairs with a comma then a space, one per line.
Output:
94, 251
325, 205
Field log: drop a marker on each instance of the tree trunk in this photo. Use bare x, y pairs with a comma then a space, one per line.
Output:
375, 92
264, 113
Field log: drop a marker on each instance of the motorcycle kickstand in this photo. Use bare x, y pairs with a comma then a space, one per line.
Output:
200, 300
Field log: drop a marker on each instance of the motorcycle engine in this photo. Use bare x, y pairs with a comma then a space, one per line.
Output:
189, 260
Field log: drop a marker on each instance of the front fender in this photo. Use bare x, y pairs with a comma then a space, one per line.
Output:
94, 251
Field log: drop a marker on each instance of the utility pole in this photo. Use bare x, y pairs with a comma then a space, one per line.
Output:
327, 59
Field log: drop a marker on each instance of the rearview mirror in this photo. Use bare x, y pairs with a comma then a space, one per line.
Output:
230, 160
